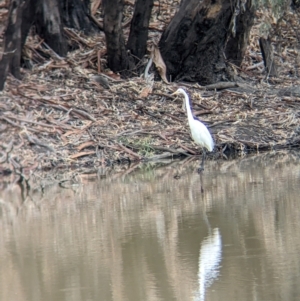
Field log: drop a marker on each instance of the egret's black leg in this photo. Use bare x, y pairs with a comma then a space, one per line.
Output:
201, 168
201, 181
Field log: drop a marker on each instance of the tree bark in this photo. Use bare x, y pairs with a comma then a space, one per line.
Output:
28, 17
268, 56
194, 42
11, 57
49, 18
295, 4
49, 25
117, 57
137, 41
76, 15
240, 31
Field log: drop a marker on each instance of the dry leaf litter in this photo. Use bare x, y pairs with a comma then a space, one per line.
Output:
73, 113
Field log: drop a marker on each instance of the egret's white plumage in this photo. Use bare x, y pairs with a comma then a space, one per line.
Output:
199, 131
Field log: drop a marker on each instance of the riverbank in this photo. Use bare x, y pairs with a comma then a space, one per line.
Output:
62, 115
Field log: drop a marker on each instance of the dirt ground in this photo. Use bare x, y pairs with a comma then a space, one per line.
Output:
74, 114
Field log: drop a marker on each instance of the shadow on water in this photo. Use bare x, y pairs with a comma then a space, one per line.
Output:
163, 233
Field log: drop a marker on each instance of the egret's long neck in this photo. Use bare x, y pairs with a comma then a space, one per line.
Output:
188, 107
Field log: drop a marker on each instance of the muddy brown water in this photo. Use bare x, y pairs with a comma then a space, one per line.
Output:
158, 234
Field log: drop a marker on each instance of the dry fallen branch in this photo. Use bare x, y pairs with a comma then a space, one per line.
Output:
130, 152
81, 154
220, 86
159, 62
36, 141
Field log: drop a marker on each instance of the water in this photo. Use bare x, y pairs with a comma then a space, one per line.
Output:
157, 234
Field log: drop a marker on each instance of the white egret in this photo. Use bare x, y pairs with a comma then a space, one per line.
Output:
199, 131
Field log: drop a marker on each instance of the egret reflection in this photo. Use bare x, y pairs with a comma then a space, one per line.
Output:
209, 262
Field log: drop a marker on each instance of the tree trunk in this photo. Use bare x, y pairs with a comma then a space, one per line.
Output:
117, 57
11, 57
295, 4
137, 41
49, 25
76, 14
49, 18
268, 56
193, 44
241, 26
28, 17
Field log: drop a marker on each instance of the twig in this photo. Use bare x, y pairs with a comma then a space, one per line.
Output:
146, 73
51, 52
219, 86
36, 141
129, 133
187, 149
255, 66
38, 123
160, 156
168, 149
60, 106
173, 117
84, 114
127, 150
96, 22
17, 125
